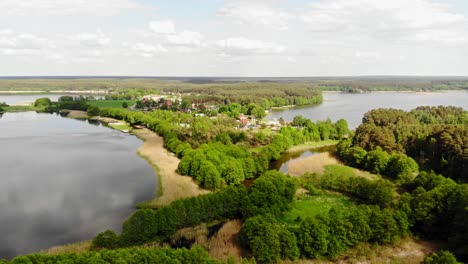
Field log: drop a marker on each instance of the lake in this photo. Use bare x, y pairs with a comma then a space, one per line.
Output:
352, 107
65, 180
26, 99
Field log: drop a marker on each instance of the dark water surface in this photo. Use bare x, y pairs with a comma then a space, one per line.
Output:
353, 106
64, 180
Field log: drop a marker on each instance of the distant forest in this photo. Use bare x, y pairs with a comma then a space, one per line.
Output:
204, 84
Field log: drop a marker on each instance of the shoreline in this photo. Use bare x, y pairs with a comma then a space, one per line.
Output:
96, 92
171, 185
311, 145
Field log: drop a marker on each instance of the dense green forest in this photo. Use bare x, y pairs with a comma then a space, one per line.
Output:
420, 155
137, 86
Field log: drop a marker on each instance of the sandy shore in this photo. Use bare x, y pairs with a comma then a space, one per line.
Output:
173, 186
77, 114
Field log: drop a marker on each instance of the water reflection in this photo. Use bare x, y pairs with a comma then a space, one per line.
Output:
64, 180
282, 164
94, 122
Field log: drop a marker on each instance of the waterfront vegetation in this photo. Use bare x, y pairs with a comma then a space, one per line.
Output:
112, 103
418, 160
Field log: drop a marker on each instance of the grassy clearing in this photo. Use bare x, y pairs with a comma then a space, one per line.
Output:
225, 243
21, 108
343, 170
407, 250
78, 247
221, 244
122, 126
111, 103
311, 145
310, 206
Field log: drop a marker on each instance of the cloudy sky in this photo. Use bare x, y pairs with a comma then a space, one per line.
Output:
233, 37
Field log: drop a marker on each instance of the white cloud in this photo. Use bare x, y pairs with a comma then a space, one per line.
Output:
97, 39
67, 7
244, 46
5, 31
386, 20
185, 38
256, 13
165, 30
162, 27
147, 50
13, 44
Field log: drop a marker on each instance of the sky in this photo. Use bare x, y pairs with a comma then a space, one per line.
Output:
262, 38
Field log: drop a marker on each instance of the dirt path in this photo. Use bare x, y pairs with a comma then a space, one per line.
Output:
173, 186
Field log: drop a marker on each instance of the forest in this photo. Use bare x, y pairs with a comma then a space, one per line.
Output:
419, 159
141, 86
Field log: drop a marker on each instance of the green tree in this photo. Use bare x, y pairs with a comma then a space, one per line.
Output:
107, 239
93, 110
42, 102
141, 227
441, 257
124, 105
312, 237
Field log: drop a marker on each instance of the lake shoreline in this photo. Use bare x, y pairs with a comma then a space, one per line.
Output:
172, 186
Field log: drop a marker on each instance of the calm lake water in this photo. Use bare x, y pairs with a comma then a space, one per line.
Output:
30, 98
65, 180
353, 106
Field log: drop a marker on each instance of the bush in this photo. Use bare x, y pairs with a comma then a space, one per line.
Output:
42, 102
107, 239
93, 110
442, 257
141, 227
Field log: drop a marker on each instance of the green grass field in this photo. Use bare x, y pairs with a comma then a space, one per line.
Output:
111, 103
312, 145
121, 126
311, 206
21, 108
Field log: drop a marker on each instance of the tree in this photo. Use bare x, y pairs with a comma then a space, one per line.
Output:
124, 105
107, 239
42, 102
401, 167
341, 127
376, 160
233, 172
141, 227
312, 237
65, 98
441, 257
93, 110
268, 239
